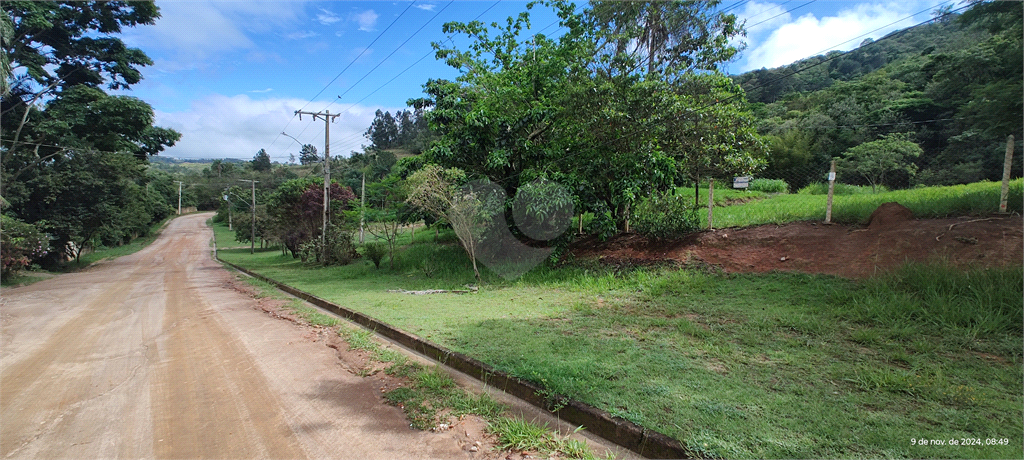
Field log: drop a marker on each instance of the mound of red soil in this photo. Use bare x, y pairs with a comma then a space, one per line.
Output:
890, 214
892, 239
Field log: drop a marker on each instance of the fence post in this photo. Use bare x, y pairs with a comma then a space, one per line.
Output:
831, 188
711, 202
1007, 164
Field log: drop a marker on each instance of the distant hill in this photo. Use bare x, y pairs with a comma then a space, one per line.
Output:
813, 74
954, 88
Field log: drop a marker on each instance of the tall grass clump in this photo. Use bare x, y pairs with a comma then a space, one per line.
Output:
820, 188
985, 301
768, 186
933, 202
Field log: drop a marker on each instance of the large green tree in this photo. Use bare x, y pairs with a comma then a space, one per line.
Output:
73, 157
589, 109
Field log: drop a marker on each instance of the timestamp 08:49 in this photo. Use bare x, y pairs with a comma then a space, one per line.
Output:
960, 442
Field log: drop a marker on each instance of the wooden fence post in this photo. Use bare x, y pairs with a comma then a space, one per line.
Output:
711, 202
831, 189
1007, 164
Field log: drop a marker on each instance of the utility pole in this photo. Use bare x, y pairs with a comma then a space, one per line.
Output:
327, 170
252, 237
179, 197
228, 199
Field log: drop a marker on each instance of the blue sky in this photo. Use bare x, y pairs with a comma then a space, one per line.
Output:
229, 75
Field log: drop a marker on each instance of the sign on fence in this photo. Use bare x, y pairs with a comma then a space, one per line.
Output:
741, 182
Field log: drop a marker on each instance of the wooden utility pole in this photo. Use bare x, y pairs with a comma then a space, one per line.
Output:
252, 234
327, 170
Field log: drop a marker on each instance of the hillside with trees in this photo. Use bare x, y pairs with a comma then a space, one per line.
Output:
951, 86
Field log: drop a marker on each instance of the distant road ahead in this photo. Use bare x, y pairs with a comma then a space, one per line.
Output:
154, 355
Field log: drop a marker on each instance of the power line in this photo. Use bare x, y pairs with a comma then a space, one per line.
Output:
729, 99
399, 47
865, 46
336, 77
780, 14
734, 6
357, 135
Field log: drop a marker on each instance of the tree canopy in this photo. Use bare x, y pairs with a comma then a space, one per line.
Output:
72, 156
610, 121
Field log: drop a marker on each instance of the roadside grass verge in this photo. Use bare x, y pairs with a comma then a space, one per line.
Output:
855, 208
430, 395
25, 277
104, 252
225, 238
35, 275
746, 366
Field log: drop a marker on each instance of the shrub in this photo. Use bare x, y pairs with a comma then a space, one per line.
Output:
340, 249
768, 186
21, 243
375, 251
665, 215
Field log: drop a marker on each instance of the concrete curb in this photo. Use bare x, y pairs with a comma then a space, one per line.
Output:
648, 443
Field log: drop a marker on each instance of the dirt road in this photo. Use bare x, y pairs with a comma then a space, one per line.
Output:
154, 355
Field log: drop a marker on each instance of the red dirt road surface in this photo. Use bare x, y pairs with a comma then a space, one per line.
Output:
155, 355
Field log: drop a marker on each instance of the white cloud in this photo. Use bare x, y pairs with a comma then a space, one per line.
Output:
760, 16
425, 6
192, 31
219, 126
262, 90
326, 17
366, 20
300, 35
808, 35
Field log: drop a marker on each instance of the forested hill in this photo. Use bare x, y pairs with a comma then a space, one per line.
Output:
952, 87
820, 72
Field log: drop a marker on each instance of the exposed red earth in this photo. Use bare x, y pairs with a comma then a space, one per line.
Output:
892, 238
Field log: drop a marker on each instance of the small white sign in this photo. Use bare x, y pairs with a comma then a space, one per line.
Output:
226, 198
741, 182
831, 176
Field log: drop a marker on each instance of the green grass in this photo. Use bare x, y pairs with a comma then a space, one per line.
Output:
88, 258
927, 202
25, 277
749, 366
820, 188
431, 395
225, 238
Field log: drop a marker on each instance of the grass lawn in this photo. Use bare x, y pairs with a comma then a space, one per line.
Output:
751, 366
976, 198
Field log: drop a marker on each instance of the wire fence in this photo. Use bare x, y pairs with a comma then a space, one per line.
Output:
935, 171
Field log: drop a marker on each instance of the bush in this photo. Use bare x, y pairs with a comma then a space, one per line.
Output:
665, 216
21, 244
375, 252
340, 249
769, 186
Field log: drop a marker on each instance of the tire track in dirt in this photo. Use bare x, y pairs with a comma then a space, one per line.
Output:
207, 396
157, 355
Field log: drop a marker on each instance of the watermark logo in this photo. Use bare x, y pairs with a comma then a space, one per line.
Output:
542, 210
